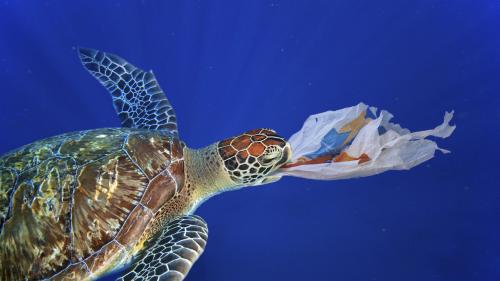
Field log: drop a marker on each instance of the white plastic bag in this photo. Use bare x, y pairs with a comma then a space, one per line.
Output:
356, 142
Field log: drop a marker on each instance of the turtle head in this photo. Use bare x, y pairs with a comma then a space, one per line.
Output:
251, 157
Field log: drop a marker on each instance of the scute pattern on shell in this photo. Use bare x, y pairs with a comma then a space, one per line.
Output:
71, 204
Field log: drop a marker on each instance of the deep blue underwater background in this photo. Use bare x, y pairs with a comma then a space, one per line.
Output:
229, 66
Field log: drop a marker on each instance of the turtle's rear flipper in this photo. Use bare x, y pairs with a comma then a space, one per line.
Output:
138, 99
170, 255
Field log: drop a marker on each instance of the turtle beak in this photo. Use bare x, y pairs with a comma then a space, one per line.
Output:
287, 155
269, 179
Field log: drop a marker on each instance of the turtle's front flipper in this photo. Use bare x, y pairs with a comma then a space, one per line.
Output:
170, 255
138, 99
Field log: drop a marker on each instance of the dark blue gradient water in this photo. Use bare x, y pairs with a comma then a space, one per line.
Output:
229, 66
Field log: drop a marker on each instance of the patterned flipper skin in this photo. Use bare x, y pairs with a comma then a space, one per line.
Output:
137, 97
170, 255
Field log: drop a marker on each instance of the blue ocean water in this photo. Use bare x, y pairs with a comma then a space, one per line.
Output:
229, 66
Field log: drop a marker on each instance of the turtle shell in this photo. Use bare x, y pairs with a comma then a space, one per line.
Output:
71, 203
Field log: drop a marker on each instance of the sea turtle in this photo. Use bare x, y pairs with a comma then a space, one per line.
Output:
78, 205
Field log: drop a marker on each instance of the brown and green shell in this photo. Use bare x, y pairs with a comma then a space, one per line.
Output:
71, 203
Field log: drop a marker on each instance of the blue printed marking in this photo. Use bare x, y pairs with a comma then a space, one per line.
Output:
332, 143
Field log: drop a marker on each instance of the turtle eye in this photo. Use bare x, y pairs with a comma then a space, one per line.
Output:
266, 160
271, 154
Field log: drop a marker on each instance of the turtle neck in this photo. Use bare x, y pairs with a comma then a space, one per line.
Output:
205, 175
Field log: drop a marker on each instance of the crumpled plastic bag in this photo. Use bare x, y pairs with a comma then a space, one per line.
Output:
358, 142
